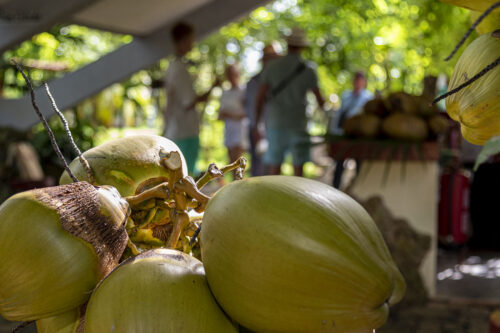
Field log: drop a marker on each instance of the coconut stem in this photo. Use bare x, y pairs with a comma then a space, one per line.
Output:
188, 186
21, 326
180, 220
82, 159
45, 123
466, 83
133, 248
471, 29
239, 166
160, 191
213, 172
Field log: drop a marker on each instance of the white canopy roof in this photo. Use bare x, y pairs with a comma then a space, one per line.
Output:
148, 20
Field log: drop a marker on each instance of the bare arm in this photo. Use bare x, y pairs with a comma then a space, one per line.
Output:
319, 97
203, 97
261, 100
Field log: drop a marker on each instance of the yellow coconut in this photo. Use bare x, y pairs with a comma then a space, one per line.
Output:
489, 24
362, 126
479, 5
438, 124
403, 126
289, 254
477, 106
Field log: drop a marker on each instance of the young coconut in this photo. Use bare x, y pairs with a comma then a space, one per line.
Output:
289, 254
477, 106
127, 162
157, 291
404, 126
56, 244
67, 322
362, 126
479, 5
489, 24
150, 172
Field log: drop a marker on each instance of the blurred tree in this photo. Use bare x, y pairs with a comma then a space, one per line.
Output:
397, 42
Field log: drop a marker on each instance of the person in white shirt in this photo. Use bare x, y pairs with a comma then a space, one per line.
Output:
232, 112
182, 121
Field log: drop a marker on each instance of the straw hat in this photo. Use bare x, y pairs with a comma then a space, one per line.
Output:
297, 38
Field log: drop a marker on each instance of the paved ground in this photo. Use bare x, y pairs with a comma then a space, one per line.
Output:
440, 317
435, 317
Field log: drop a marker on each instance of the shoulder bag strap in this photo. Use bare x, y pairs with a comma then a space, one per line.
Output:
284, 83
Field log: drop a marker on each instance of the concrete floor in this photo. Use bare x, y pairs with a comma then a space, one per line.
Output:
470, 275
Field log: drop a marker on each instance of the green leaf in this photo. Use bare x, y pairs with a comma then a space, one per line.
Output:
490, 148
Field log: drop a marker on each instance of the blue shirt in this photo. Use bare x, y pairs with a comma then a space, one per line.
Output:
351, 105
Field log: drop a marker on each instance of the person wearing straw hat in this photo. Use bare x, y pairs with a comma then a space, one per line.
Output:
268, 53
284, 85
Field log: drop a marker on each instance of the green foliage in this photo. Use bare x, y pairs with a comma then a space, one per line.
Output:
70, 47
83, 132
491, 148
396, 42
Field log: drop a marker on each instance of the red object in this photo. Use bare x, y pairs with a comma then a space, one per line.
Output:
495, 322
454, 208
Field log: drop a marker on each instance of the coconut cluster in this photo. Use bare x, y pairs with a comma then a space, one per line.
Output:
280, 254
399, 116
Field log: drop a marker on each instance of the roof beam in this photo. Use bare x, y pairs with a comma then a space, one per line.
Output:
21, 19
120, 64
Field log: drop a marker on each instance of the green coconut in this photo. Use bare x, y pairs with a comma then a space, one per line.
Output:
56, 244
157, 291
127, 162
289, 254
67, 322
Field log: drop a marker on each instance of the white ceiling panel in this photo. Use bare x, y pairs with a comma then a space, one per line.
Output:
135, 17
